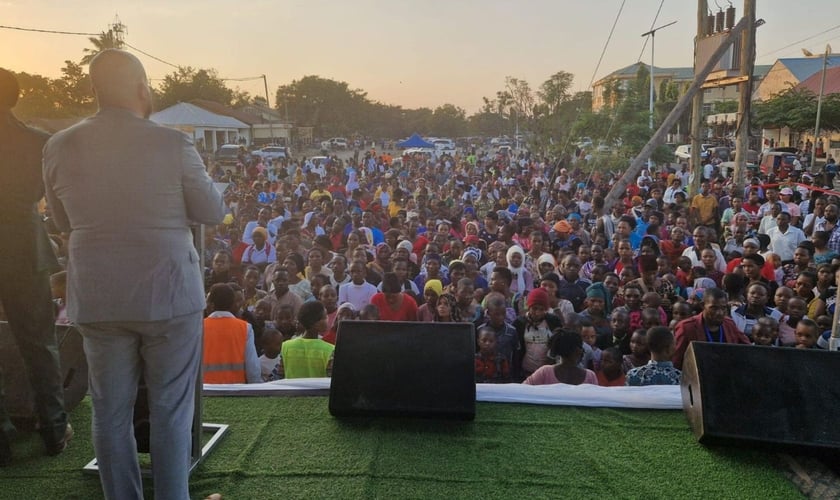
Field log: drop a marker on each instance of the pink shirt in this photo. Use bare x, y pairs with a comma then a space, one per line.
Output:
545, 375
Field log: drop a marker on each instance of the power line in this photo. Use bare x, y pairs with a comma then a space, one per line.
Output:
644, 46
36, 30
609, 37
800, 41
149, 55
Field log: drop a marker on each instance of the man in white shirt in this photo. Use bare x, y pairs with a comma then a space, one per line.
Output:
784, 238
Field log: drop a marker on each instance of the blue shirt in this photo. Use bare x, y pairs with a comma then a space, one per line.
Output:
654, 373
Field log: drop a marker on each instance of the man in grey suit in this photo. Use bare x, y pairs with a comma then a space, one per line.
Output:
25, 266
127, 189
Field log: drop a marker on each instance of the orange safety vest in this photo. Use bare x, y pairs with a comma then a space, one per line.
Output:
224, 350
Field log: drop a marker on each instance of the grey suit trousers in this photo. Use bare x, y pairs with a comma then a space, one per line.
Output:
168, 355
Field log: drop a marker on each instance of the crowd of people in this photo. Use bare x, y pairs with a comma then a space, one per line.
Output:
559, 287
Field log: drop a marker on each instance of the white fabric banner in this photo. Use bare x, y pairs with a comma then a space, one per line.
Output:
655, 397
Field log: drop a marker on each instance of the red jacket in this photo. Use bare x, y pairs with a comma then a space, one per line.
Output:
692, 329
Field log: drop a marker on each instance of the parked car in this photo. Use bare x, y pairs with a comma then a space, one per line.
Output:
228, 154
683, 152
334, 143
272, 152
779, 163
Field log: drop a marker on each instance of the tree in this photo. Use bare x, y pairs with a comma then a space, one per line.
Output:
555, 91
330, 106
105, 40
73, 93
449, 121
187, 83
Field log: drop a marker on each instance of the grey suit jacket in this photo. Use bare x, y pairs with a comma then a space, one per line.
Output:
127, 189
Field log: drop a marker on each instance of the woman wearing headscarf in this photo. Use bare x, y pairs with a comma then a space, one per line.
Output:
598, 308
523, 281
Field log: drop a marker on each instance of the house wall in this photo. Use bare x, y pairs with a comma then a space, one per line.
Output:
778, 79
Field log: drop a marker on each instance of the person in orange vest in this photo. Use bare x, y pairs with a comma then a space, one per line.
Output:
230, 356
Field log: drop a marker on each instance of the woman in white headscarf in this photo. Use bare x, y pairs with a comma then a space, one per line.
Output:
523, 280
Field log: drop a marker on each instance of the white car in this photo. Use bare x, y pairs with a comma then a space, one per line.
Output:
683, 153
272, 153
334, 143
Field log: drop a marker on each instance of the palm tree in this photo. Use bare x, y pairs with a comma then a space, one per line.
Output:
105, 40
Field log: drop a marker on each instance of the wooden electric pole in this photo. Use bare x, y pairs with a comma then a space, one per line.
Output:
697, 107
632, 172
747, 64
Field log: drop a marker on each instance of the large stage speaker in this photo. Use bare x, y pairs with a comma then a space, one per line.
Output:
404, 369
19, 401
776, 397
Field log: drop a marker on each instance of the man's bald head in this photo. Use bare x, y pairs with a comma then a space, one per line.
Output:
119, 80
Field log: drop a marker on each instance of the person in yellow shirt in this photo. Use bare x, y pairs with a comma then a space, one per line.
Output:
704, 208
319, 192
307, 356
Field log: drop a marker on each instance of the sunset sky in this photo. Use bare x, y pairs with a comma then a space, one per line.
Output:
407, 52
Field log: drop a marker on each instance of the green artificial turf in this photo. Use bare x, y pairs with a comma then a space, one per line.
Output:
292, 448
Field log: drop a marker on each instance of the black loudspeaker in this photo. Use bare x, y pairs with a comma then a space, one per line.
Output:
775, 397
413, 369
18, 401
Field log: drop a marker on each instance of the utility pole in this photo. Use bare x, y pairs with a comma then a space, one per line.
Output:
119, 30
697, 107
652, 35
747, 63
632, 172
268, 105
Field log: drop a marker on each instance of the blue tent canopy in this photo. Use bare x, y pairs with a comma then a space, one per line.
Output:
415, 141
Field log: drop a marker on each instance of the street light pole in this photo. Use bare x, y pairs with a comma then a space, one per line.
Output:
819, 107
652, 34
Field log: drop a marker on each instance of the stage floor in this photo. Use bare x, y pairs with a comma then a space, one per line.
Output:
282, 447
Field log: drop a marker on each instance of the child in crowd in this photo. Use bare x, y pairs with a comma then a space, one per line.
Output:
620, 337
611, 374
431, 291
680, 311
369, 313
781, 297
807, 334
344, 312
766, 332
271, 344
825, 323
633, 305
534, 331
660, 369
285, 321
329, 297
589, 336
796, 308
358, 292
652, 300
568, 348
307, 356
684, 272
650, 318
639, 354
490, 365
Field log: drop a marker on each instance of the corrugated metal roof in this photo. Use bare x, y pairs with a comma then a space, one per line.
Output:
681, 73
186, 114
803, 67
832, 81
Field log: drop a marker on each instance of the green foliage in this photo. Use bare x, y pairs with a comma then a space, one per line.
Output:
797, 109
105, 40
449, 121
730, 106
188, 83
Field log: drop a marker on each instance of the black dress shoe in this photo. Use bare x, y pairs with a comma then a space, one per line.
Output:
56, 448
